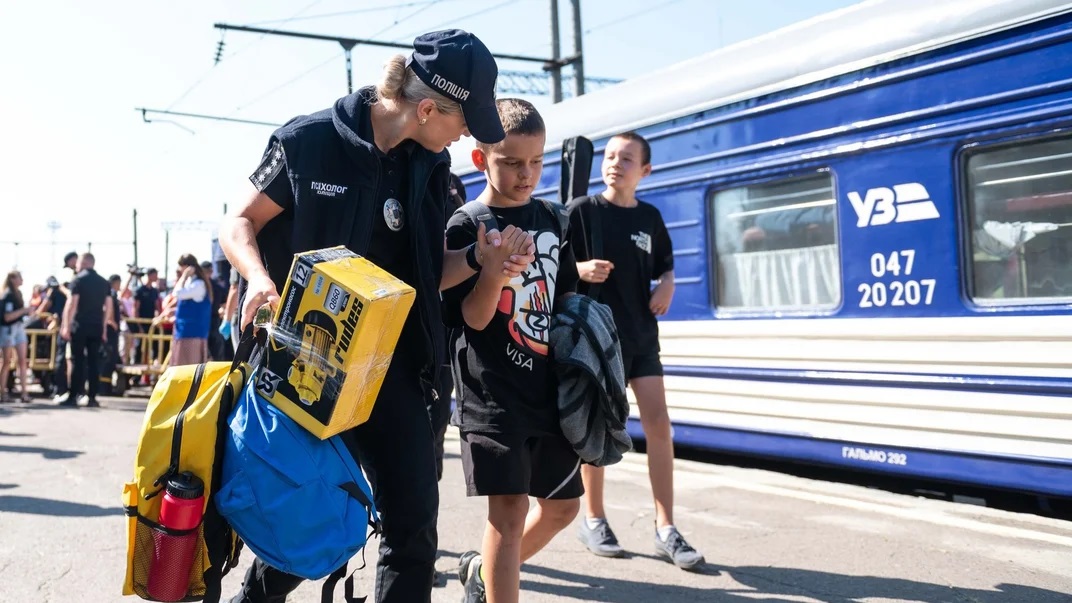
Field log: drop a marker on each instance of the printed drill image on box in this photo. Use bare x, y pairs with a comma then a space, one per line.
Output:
332, 338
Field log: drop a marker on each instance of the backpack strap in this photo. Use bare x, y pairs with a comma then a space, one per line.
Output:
250, 340
577, 155
480, 214
591, 221
596, 224
213, 580
328, 590
559, 212
353, 490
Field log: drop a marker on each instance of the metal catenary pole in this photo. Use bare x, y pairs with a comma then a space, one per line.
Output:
578, 65
556, 53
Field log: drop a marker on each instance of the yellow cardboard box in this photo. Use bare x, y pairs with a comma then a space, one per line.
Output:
334, 333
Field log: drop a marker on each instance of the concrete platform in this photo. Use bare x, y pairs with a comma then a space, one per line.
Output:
767, 537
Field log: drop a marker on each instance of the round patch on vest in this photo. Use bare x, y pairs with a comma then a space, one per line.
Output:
392, 214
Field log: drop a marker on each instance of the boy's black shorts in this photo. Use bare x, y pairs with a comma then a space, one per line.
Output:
505, 464
644, 364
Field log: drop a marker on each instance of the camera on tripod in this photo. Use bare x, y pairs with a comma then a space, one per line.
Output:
135, 270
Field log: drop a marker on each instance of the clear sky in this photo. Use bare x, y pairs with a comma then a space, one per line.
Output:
76, 152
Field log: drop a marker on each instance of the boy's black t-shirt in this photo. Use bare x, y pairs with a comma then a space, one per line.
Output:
501, 373
636, 241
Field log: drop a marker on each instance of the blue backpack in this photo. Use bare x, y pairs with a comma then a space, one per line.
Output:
300, 503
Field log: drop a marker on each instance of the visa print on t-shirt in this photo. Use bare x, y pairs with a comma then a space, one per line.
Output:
527, 302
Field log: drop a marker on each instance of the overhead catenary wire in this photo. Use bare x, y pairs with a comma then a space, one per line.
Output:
454, 21
542, 45
404, 19
145, 111
220, 58
231, 56
260, 38
631, 16
347, 13
421, 7
335, 56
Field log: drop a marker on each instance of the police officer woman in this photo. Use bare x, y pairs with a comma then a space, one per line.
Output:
371, 173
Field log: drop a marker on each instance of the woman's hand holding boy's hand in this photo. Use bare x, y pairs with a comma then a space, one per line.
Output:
512, 242
513, 249
519, 261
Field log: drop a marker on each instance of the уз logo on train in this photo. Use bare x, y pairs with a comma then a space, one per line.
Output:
907, 202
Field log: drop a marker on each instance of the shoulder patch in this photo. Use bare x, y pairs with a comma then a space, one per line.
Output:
269, 168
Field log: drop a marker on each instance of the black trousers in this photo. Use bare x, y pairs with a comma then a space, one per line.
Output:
59, 373
395, 448
109, 360
85, 361
439, 413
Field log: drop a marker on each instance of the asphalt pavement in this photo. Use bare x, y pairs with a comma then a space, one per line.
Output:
767, 537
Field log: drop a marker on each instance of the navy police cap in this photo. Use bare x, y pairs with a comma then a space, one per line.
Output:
458, 65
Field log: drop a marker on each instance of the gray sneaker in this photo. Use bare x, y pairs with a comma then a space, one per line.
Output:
677, 551
600, 539
469, 575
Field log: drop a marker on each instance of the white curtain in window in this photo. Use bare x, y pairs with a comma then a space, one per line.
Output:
786, 278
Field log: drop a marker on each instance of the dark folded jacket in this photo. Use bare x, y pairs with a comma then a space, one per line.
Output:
587, 361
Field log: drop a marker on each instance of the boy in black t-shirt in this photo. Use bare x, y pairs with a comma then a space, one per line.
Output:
512, 445
635, 250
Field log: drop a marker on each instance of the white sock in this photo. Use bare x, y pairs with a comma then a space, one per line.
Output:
594, 522
665, 531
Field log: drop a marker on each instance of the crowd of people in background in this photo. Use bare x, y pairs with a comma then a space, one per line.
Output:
86, 327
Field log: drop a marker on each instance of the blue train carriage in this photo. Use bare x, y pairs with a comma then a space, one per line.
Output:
872, 222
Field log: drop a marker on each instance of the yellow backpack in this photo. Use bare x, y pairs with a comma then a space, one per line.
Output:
184, 429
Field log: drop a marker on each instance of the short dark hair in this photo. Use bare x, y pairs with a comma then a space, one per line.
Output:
115, 278
645, 148
518, 117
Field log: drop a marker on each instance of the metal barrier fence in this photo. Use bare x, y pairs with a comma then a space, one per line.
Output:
152, 351
41, 358
149, 356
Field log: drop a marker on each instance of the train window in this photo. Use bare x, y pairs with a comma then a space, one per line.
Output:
776, 245
1020, 206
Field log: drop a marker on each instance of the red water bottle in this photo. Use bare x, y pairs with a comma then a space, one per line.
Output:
173, 554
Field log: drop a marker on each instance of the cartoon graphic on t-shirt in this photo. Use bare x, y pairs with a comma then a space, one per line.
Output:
527, 298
